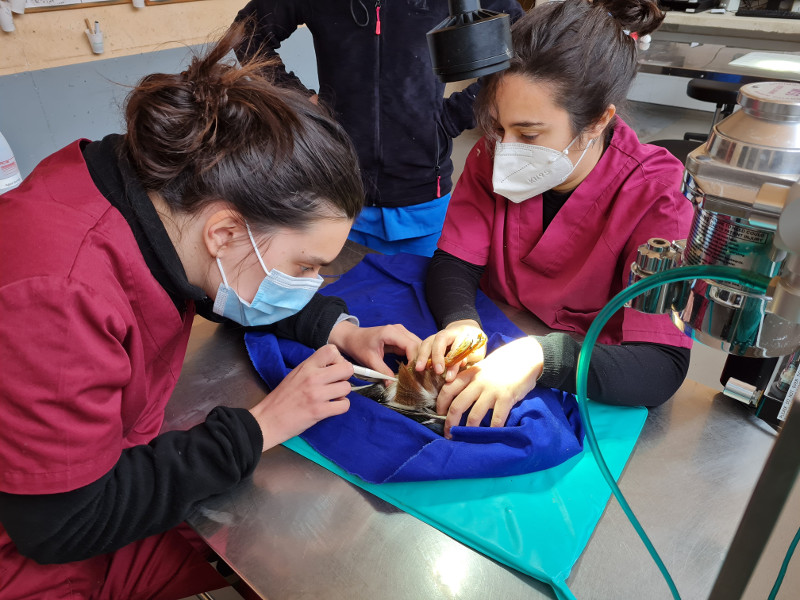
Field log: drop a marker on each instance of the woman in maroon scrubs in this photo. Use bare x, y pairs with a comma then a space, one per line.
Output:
224, 198
549, 212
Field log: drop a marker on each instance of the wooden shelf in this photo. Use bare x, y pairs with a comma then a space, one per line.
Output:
55, 38
729, 24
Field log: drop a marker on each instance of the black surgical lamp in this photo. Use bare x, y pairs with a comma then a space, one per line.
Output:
471, 42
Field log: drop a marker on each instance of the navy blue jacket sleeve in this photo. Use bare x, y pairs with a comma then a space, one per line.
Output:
457, 111
273, 22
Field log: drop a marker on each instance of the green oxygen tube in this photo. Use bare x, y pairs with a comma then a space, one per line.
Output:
749, 279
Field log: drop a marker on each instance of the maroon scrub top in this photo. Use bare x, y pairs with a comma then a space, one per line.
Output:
567, 273
91, 350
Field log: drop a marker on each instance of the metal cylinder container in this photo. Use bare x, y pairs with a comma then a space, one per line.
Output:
739, 182
655, 256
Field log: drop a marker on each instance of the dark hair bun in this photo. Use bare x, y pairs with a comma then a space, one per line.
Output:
640, 16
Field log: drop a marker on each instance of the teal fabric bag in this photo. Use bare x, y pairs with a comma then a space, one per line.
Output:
547, 537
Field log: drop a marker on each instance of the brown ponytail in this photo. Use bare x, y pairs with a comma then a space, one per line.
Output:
580, 48
218, 131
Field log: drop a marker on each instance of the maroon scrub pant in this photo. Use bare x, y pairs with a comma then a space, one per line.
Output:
169, 566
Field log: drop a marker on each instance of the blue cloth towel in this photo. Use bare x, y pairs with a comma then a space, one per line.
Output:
379, 445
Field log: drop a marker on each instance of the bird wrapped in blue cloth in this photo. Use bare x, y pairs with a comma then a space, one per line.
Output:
414, 393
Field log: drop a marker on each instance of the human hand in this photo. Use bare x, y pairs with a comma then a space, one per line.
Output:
314, 390
314, 99
497, 382
368, 345
435, 347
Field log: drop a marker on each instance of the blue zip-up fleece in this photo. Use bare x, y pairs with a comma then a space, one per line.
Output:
381, 86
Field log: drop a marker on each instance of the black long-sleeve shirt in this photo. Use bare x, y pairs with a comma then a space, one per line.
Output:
152, 487
149, 490
631, 374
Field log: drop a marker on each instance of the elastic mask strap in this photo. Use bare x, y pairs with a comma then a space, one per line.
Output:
258, 254
222, 272
575, 139
565, 151
589, 145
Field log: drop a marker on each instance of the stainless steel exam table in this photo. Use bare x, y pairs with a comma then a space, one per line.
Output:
296, 531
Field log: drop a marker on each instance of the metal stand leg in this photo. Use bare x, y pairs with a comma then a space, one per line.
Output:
762, 512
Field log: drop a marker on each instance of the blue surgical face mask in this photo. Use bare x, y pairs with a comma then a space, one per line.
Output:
279, 296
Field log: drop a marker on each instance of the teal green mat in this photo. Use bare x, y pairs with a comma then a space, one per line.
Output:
542, 521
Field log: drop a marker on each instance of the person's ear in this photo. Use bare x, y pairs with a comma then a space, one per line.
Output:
597, 128
221, 227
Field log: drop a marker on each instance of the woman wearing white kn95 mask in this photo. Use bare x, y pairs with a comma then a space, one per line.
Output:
548, 214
